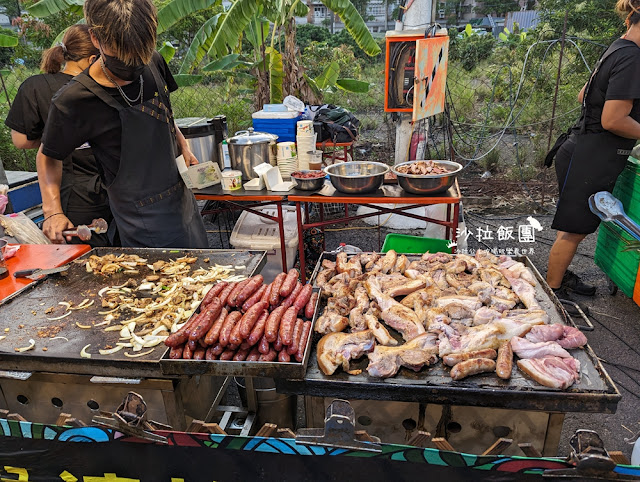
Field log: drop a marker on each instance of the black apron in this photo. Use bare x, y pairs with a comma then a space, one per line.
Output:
596, 162
151, 205
83, 196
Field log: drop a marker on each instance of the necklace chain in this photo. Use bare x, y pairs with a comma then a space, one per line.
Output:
124, 96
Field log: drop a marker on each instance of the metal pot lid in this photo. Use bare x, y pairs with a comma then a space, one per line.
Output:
250, 137
196, 126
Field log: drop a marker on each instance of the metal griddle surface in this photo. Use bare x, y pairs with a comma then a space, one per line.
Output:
28, 310
594, 393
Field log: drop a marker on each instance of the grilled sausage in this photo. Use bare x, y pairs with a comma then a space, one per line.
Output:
273, 324
287, 324
249, 289
257, 296
209, 355
268, 357
504, 363
229, 323
283, 356
289, 300
289, 283
250, 319
472, 367
182, 335
235, 337
274, 296
205, 322
193, 345
278, 344
215, 290
187, 353
263, 347
292, 349
214, 332
302, 346
224, 294
258, 329
267, 293
227, 355
176, 352
199, 353
454, 359
303, 298
254, 354
311, 306
241, 354
233, 297
217, 349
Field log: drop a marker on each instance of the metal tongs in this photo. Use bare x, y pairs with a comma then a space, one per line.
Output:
83, 231
608, 208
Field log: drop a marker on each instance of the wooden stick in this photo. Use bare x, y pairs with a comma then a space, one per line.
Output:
498, 447
214, 428
4, 413
286, 433
363, 436
421, 439
619, 458
196, 426
62, 418
529, 450
74, 422
16, 416
267, 430
443, 444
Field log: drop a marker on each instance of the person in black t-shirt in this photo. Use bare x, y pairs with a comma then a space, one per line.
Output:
596, 150
121, 106
82, 195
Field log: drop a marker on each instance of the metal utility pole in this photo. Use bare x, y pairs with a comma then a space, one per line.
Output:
418, 16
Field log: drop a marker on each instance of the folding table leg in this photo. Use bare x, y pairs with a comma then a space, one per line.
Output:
301, 242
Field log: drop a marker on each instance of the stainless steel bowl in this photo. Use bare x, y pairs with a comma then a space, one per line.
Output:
428, 185
305, 184
357, 177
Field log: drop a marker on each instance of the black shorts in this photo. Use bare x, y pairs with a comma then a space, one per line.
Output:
581, 220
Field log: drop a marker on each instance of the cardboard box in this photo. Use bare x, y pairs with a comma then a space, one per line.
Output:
199, 176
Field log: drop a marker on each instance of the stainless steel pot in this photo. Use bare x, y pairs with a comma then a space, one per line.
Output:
203, 136
247, 149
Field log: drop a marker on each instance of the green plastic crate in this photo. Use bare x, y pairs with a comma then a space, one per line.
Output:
404, 243
621, 267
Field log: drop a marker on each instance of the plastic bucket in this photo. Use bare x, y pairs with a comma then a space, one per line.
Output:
273, 407
404, 243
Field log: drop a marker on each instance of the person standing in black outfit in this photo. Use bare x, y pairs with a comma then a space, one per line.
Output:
596, 150
121, 106
82, 194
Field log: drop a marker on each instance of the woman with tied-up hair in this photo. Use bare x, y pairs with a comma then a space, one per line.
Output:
592, 155
82, 196
121, 106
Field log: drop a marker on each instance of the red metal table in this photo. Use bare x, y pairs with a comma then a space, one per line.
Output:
403, 204
255, 199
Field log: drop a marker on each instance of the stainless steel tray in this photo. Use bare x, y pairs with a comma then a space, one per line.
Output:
236, 368
28, 310
594, 393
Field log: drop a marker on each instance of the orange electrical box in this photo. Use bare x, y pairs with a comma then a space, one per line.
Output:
400, 71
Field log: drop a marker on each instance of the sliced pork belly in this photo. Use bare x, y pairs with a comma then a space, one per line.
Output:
525, 349
551, 371
572, 338
566, 336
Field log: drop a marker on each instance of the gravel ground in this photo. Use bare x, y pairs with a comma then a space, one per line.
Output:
616, 334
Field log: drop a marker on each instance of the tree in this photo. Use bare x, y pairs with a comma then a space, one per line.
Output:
595, 19
499, 7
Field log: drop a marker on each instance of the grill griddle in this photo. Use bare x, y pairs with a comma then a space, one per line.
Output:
594, 393
28, 310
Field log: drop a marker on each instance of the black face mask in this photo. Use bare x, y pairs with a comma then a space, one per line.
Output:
120, 69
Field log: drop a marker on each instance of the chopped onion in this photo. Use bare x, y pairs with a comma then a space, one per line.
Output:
137, 354
83, 352
60, 317
31, 346
85, 327
110, 351
60, 338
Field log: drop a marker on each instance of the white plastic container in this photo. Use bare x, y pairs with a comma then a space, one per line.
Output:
231, 180
254, 232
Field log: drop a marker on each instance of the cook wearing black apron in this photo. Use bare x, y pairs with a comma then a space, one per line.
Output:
151, 204
591, 158
82, 195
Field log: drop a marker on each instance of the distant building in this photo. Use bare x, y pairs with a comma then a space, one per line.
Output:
378, 16
468, 12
